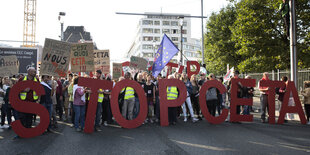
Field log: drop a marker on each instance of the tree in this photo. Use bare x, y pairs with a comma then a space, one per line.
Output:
249, 34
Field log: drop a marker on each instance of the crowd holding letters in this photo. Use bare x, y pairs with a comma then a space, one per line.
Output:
92, 102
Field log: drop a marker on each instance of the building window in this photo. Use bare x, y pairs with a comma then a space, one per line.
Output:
184, 40
147, 30
174, 23
184, 24
147, 22
166, 23
184, 31
156, 22
147, 38
157, 38
157, 31
175, 31
174, 38
167, 31
147, 47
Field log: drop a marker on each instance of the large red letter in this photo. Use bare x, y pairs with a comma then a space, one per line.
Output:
115, 107
203, 105
94, 85
291, 109
189, 72
28, 107
170, 65
271, 97
238, 101
164, 103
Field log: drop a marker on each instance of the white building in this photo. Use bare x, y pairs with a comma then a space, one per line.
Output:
151, 30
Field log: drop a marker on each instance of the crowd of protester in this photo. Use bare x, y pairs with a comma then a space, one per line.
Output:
66, 101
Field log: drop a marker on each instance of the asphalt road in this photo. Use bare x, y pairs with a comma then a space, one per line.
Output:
183, 138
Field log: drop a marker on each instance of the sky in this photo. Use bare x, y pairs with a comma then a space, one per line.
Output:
108, 30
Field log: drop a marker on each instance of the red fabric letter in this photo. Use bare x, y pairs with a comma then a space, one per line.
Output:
291, 109
189, 72
239, 101
115, 107
94, 85
164, 103
271, 97
28, 107
170, 65
203, 105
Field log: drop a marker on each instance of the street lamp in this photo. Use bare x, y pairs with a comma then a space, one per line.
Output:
154, 45
181, 22
61, 25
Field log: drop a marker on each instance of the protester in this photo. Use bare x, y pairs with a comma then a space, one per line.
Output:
79, 105
9, 110
248, 92
264, 97
46, 99
59, 98
195, 95
99, 103
5, 84
2, 104
106, 107
157, 102
70, 93
239, 91
141, 81
149, 89
129, 100
306, 102
66, 97
281, 93
188, 102
172, 94
212, 97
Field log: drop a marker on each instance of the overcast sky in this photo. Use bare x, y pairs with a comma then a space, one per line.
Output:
109, 31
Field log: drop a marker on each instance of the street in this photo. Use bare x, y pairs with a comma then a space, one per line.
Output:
183, 138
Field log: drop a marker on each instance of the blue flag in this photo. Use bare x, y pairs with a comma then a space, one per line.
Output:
165, 53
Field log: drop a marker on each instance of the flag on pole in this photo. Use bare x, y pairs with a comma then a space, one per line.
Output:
229, 74
165, 53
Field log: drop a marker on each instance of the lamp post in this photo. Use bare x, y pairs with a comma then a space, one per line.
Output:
154, 45
61, 25
181, 49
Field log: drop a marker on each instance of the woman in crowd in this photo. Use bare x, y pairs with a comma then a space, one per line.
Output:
281, 93
195, 95
149, 89
79, 105
306, 102
189, 92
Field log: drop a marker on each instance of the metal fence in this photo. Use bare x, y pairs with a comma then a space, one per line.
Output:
302, 75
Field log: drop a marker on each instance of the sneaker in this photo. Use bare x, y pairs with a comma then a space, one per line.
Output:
185, 119
6, 126
97, 129
105, 123
16, 137
78, 130
156, 120
151, 121
145, 121
194, 119
308, 123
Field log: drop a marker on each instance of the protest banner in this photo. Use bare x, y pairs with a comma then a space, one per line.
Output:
138, 63
82, 57
117, 70
102, 61
27, 57
9, 65
56, 58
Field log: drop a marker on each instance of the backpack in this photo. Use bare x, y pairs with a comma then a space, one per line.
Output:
211, 94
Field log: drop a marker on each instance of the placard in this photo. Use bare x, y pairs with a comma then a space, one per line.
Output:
9, 65
82, 57
102, 61
56, 58
138, 63
117, 70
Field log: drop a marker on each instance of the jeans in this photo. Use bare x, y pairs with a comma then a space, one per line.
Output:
212, 106
59, 106
49, 108
128, 108
264, 105
79, 115
189, 104
98, 114
136, 108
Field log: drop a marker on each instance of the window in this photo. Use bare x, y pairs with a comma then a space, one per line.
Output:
184, 40
184, 31
157, 31
156, 22
184, 24
166, 23
167, 31
147, 22
147, 47
174, 38
175, 31
147, 30
174, 23
147, 38
157, 38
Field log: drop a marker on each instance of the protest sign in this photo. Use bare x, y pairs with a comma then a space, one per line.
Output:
56, 58
82, 57
138, 63
117, 70
9, 65
102, 61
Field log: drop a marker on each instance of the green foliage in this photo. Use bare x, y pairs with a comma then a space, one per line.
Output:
249, 35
